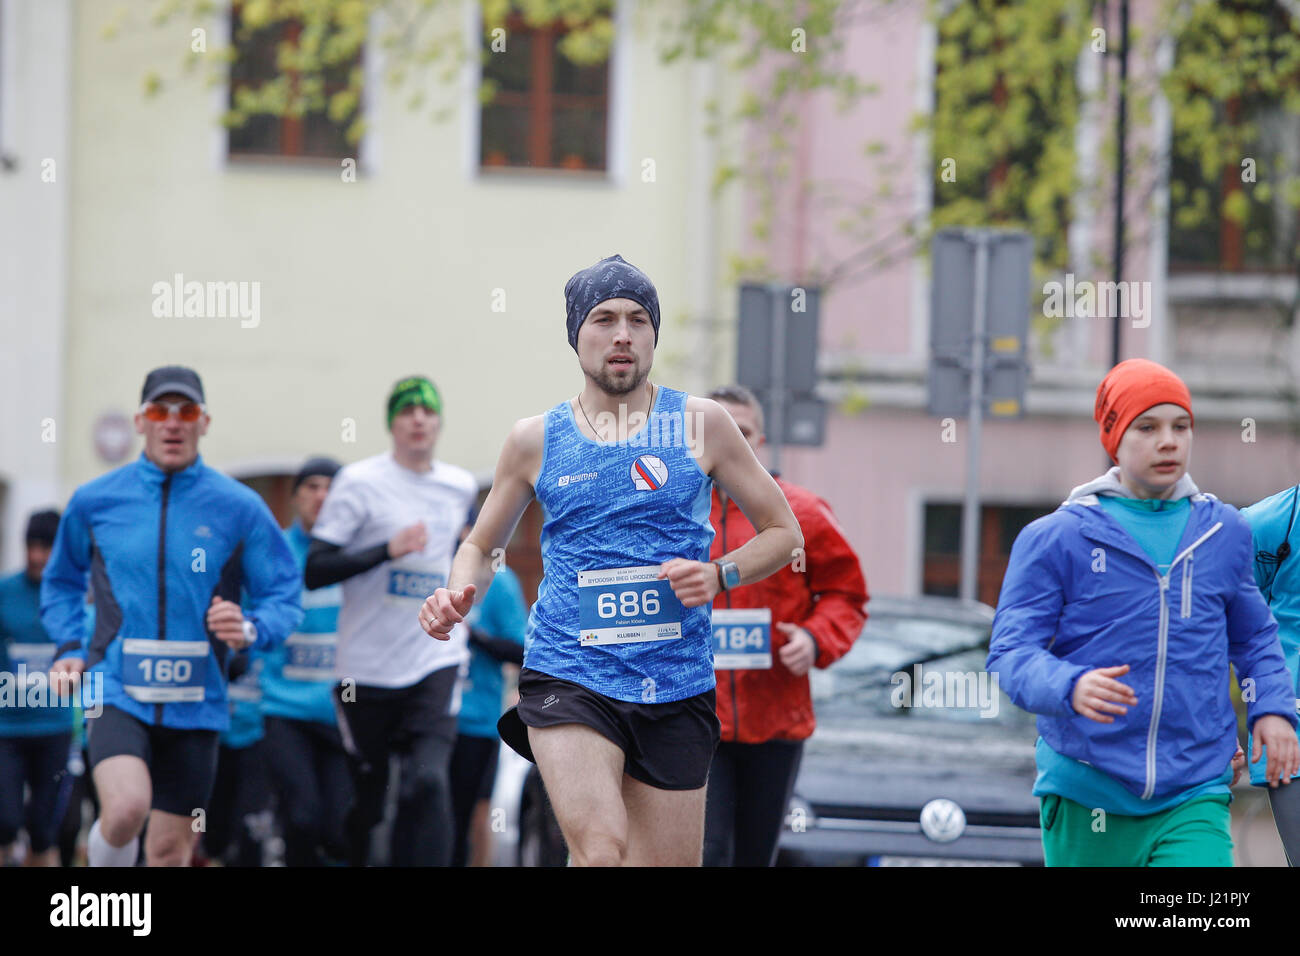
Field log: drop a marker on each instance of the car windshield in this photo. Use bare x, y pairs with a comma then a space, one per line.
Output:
913, 667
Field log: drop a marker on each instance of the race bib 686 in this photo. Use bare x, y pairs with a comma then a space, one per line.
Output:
626, 605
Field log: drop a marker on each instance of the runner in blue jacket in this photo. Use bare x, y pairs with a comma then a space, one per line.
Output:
1277, 572
308, 765
1139, 575
35, 727
168, 545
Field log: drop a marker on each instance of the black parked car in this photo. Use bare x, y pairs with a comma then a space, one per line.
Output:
945, 781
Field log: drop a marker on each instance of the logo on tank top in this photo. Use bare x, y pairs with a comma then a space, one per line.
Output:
649, 473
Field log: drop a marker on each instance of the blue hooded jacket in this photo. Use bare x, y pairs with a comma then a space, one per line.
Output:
1080, 593
1274, 521
157, 548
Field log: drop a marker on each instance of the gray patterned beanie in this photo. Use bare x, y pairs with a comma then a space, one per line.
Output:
611, 278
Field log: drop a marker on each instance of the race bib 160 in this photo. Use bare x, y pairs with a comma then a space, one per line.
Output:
164, 672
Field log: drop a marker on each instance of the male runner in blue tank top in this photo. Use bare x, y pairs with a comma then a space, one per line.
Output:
616, 698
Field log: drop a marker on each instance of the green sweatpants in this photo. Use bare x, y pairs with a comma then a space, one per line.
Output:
1195, 833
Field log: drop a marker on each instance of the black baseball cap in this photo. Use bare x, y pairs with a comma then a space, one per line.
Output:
172, 378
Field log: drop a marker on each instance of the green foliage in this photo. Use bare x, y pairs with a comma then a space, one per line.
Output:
855, 402
1006, 99
1237, 68
783, 50
1006, 105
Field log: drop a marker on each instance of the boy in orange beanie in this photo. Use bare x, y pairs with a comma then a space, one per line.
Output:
1136, 772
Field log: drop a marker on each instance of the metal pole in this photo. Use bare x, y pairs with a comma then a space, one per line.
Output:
776, 429
970, 517
1120, 135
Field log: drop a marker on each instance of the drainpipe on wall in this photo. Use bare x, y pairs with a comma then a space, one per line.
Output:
701, 249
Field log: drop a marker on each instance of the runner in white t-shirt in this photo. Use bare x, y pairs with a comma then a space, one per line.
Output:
388, 530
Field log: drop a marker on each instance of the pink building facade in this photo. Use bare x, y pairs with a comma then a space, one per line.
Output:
893, 474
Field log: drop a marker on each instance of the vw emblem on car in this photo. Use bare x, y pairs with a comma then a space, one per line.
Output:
942, 820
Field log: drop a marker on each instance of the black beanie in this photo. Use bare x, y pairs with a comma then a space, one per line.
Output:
611, 278
325, 467
42, 526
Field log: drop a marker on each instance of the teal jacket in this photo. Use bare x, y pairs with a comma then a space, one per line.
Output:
26, 708
1280, 584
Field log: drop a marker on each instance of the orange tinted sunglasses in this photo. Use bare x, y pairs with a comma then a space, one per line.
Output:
161, 411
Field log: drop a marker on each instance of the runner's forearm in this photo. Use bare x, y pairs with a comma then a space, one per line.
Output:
765, 553
470, 566
328, 564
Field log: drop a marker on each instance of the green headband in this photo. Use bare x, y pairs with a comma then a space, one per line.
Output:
413, 391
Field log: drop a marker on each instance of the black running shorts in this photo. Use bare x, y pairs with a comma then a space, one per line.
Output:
182, 763
668, 745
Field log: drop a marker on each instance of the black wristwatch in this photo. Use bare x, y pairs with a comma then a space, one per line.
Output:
728, 574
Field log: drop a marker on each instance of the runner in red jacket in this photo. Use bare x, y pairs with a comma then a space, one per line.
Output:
817, 605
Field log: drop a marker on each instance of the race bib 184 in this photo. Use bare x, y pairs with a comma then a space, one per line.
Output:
627, 605
742, 638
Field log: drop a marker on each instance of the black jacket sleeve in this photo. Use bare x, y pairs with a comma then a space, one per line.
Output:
239, 662
327, 564
498, 648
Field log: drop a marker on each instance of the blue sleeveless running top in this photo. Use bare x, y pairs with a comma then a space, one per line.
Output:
612, 505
